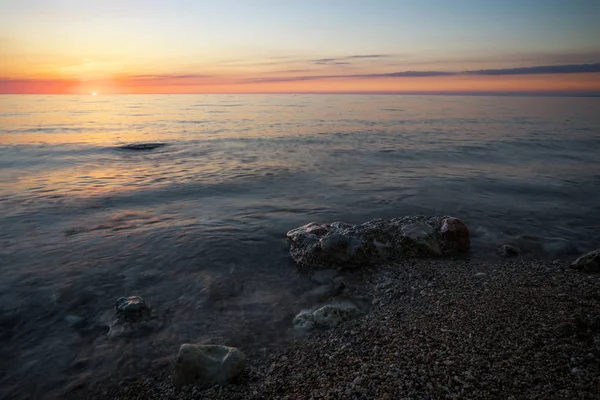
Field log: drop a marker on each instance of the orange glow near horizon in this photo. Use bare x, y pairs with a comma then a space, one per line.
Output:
182, 46
155, 84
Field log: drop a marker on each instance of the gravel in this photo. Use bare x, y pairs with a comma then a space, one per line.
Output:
438, 329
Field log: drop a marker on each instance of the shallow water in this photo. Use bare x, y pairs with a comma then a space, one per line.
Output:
197, 227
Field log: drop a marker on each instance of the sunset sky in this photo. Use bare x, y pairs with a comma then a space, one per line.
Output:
263, 46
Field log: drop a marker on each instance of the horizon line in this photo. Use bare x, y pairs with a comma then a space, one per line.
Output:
397, 93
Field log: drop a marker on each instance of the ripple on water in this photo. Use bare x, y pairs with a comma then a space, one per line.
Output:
198, 227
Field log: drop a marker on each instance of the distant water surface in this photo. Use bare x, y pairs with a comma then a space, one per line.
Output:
197, 227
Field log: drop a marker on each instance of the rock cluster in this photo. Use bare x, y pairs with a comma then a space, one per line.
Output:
318, 246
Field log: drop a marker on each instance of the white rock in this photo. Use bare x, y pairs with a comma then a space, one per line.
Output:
332, 315
211, 364
304, 321
328, 316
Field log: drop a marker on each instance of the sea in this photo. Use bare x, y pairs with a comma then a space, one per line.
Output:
197, 227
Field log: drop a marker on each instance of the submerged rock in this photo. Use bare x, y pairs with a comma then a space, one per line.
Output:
319, 246
132, 309
328, 316
589, 262
509, 251
142, 146
209, 364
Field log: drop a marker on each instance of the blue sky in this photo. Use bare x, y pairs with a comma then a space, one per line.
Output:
90, 39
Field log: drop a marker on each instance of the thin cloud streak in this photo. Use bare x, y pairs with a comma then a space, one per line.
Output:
191, 81
347, 59
370, 56
168, 76
539, 70
546, 69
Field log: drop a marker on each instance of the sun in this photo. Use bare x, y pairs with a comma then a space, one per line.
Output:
94, 94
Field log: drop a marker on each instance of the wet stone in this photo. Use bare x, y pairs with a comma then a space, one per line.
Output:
142, 146
589, 262
207, 364
509, 251
132, 309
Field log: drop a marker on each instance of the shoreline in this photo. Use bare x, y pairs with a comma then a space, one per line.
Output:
435, 329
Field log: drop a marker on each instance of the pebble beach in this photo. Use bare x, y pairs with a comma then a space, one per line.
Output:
435, 329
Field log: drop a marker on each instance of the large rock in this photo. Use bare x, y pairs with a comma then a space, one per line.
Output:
589, 262
338, 244
207, 364
132, 309
328, 316
454, 235
331, 315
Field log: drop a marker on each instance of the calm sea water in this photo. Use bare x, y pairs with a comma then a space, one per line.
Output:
198, 227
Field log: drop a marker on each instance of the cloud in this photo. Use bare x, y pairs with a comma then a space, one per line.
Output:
545, 69
65, 85
409, 74
370, 56
330, 61
548, 69
346, 60
156, 77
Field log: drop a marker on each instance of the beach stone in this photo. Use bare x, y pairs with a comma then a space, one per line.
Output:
342, 245
589, 262
331, 315
423, 236
337, 246
208, 364
304, 321
455, 235
327, 316
132, 309
509, 251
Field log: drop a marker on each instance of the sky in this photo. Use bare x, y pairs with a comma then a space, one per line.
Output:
307, 46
